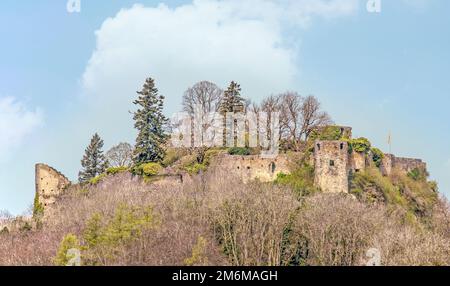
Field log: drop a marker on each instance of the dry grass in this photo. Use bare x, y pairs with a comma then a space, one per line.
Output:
217, 220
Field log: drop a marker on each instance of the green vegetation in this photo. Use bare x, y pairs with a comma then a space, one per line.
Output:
150, 122
38, 207
418, 174
94, 161
241, 151
147, 170
377, 156
377, 188
328, 133
301, 180
63, 257
232, 100
172, 156
192, 166
97, 179
361, 145
116, 170
415, 195
198, 253
104, 236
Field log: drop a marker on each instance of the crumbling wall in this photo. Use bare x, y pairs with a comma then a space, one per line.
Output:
332, 166
253, 167
387, 164
49, 185
390, 162
358, 161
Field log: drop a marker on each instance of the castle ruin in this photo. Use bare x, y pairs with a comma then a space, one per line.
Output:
335, 162
49, 184
249, 168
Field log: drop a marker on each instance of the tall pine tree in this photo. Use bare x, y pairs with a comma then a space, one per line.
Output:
232, 100
94, 162
150, 123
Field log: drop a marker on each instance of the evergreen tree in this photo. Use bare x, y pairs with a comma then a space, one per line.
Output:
94, 162
232, 100
150, 122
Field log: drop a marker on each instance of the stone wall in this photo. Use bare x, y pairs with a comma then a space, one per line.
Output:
332, 166
390, 162
249, 168
49, 184
358, 161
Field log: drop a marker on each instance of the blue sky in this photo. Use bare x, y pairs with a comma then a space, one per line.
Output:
64, 76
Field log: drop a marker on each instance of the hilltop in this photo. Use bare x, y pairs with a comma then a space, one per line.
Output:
236, 208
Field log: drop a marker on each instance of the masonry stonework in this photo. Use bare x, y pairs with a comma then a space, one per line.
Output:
49, 184
250, 168
332, 166
390, 162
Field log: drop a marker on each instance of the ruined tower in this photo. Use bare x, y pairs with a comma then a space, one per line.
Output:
49, 184
332, 166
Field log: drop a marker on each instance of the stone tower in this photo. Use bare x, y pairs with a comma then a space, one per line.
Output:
49, 184
332, 166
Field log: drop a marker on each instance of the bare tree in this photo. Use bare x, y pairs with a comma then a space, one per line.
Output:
290, 119
207, 97
312, 116
204, 93
120, 155
299, 117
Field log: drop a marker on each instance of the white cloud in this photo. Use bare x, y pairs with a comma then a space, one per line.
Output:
211, 40
16, 123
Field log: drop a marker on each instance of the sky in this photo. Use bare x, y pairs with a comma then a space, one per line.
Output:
65, 76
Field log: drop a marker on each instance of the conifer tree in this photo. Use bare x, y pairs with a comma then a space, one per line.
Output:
150, 123
232, 100
94, 162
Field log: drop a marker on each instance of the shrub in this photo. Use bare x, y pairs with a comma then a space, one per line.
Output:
372, 182
328, 133
240, 151
418, 175
361, 145
198, 254
196, 168
98, 179
377, 156
105, 236
171, 156
301, 180
193, 166
116, 170
38, 207
147, 170
63, 257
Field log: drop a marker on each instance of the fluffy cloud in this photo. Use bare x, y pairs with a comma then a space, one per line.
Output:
16, 123
211, 40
